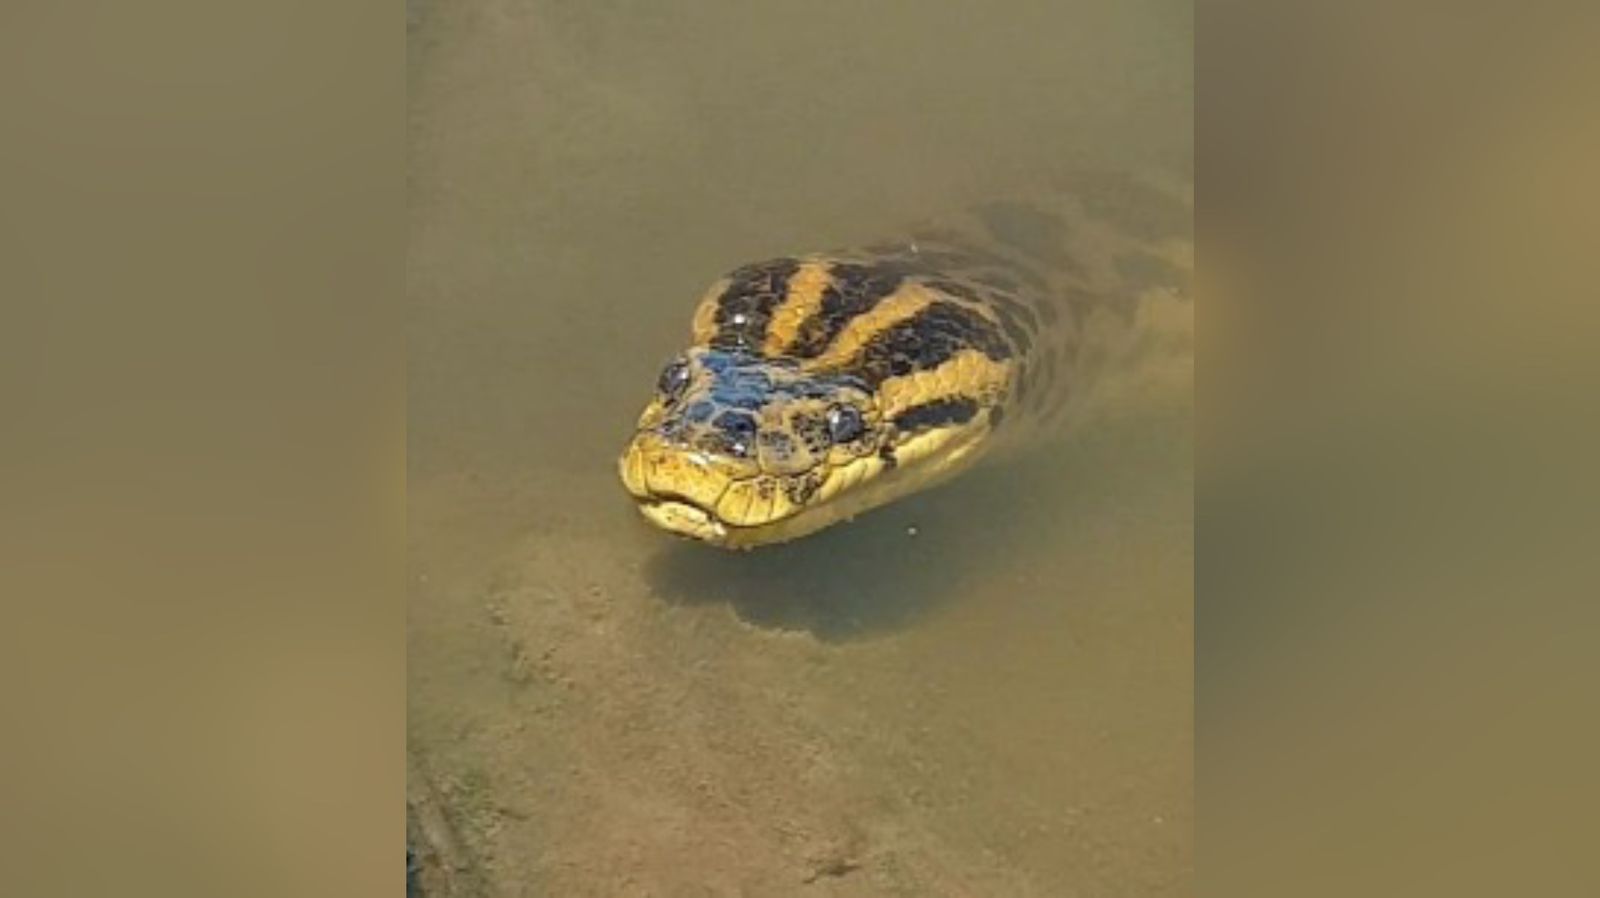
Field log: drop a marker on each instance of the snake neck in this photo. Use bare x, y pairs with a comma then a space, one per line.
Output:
1094, 284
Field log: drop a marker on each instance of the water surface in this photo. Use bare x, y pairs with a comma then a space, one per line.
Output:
985, 690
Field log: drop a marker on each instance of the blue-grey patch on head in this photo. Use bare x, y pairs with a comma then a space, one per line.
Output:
717, 361
747, 407
741, 387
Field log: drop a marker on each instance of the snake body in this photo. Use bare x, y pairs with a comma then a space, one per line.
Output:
819, 386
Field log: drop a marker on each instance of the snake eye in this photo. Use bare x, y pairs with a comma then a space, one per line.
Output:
674, 379
844, 424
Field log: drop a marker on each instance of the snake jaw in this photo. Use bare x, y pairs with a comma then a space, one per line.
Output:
684, 518
677, 490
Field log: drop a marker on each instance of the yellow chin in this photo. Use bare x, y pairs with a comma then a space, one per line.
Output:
683, 518
683, 494
694, 522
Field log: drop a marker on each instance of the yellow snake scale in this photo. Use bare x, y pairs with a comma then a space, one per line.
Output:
819, 386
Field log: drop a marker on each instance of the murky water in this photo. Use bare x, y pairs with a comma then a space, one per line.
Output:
985, 690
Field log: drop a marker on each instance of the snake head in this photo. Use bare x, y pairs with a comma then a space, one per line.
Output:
737, 449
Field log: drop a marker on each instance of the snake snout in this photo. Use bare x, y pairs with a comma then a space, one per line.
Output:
654, 468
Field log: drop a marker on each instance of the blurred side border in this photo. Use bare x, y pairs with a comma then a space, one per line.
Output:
1397, 205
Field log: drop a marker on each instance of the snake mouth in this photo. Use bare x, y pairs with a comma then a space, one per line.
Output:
687, 517
683, 517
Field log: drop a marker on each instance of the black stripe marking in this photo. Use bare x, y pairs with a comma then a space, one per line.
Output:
1018, 320
925, 341
745, 307
853, 291
937, 413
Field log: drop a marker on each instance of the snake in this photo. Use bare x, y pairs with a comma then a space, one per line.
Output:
822, 385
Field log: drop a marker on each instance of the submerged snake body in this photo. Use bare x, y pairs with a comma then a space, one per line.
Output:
819, 386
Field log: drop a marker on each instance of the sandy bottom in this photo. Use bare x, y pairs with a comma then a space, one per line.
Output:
977, 709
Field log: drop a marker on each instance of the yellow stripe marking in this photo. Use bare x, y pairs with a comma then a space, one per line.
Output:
904, 303
967, 373
803, 301
898, 306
